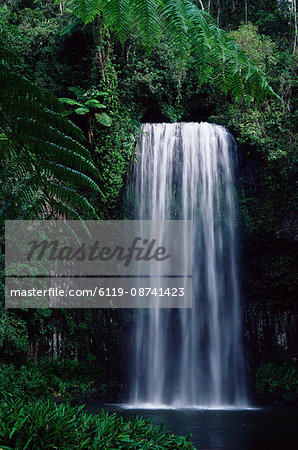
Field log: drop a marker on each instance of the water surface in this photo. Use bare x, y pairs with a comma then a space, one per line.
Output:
251, 429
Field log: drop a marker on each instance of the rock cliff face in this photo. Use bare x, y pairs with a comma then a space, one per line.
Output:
268, 285
269, 249
269, 334
270, 317
269, 277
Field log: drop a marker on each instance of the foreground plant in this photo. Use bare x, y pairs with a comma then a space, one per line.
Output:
47, 425
191, 33
43, 164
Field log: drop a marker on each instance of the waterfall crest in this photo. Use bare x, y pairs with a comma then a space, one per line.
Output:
180, 357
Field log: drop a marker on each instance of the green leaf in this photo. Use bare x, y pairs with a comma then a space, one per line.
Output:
190, 31
82, 111
43, 163
93, 103
70, 101
104, 119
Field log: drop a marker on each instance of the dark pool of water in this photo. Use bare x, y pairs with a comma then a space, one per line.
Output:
258, 429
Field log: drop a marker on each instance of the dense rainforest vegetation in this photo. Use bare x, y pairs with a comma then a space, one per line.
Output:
77, 78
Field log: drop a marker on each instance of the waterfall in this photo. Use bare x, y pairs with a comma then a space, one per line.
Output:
190, 357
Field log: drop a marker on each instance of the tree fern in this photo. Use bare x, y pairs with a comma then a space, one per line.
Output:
44, 165
115, 14
144, 15
173, 15
190, 31
86, 9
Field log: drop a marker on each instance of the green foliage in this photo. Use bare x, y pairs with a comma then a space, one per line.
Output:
24, 383
89, 105
31, 31
190, 31
13, 334
260, 48
49, 379
47, 425
183, 46
114, 131
43, 162
266, 126
103, 119
113, 153
267, 136
30, 419
153, 83
278, 382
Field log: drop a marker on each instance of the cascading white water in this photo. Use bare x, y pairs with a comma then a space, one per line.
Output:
190, 357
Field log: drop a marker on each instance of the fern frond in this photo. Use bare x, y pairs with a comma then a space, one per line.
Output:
63, 210
86, 10
8, 57
66, 174
145, 15
71, 197
174, 24
189, 30
39, 146
116, 17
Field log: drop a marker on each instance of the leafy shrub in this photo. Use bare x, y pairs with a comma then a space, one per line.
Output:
29, 418
47, 425
69, 379
13, 334
24, 383
275, 382
63, 380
